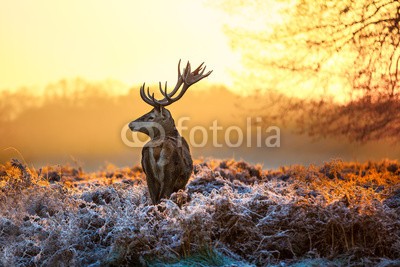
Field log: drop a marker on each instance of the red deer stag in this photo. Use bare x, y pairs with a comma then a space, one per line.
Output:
166, 158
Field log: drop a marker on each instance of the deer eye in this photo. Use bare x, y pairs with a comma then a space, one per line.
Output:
151, 118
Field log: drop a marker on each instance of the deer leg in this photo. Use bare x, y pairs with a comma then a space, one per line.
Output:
154, 188
162, 170
161, 192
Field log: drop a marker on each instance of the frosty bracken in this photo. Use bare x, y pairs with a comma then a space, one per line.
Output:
166, 158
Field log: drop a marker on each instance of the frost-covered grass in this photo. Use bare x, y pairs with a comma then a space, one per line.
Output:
231, 214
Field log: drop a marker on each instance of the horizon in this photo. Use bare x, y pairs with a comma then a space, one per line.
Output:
87, 128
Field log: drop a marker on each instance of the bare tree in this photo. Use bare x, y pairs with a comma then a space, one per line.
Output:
354, 45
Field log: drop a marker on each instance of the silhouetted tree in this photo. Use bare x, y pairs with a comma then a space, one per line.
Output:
351, 44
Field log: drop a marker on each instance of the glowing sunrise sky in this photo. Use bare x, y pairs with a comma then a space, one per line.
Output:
132, 42
129, 41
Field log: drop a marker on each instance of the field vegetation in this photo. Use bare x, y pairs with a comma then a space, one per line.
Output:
231, 214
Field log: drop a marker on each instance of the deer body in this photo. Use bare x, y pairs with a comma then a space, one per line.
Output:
166, 158
167, 166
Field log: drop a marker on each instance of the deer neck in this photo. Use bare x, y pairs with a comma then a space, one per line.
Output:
173, 132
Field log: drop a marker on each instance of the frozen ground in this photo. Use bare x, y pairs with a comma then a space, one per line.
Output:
231, 214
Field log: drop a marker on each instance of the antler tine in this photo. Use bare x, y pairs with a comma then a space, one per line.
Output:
196, 71
188, 67
191, 78
179, 69
164, 92
145, 97
203, 70
205, 75
187, 78
148, 92
196, 76
179, 81
160, 87
152, 97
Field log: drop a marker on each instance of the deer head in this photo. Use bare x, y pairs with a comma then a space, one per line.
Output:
159, 120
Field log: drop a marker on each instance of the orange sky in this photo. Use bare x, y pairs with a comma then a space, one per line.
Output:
131, 42
128, 41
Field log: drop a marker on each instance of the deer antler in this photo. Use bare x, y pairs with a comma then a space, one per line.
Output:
188, 78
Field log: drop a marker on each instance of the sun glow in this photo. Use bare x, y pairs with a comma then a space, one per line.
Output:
131, 42
127, 41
